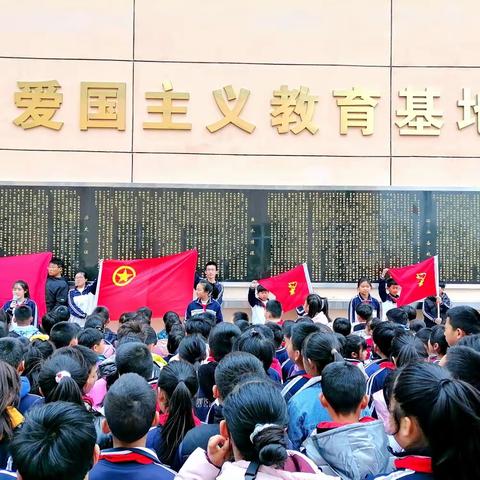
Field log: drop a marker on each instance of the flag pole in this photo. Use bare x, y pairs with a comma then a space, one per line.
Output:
307, 276
437, 284
99, 281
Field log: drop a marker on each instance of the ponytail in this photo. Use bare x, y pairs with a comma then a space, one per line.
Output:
9, 395
61, 378
193, 350
178, 380
447, 411
321, 349
407, 349
256, 417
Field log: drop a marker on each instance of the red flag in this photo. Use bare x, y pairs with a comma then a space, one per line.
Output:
418, 281
163, 284
290, 288
29, 268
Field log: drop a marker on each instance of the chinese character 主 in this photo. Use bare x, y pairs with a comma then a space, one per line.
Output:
421, 118
293, 107
356, 109
41, 101
102, 105
231, 115
166, 109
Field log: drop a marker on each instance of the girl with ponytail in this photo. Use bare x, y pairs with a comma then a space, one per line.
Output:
177, 386
437, 423
304, 409
252, 443
62, 378
10, 417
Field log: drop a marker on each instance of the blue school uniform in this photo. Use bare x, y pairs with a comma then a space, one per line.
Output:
287, 367
294, 384
212, 306
128, 463
281, 355
376, 381
305, 412
358, 300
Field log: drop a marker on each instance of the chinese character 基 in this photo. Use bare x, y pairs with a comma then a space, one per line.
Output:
167, 109
356, 109
421, 118
470, 106
41, 101
231, 115
293, 110
102, 105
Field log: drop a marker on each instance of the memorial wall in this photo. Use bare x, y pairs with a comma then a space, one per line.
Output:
343, 134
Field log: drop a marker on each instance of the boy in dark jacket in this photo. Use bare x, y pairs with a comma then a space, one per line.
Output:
56, 286
130, 411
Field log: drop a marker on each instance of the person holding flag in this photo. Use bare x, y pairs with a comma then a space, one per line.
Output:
432, 305
414, 282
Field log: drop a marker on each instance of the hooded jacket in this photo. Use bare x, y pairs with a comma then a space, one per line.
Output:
350, 451
297, 467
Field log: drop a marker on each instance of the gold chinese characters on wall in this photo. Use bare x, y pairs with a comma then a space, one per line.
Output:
103, 105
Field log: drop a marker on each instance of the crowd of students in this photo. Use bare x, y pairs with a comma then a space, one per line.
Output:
377, 394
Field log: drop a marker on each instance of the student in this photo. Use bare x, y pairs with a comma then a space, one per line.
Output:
273, 311
211, 275
464, 363
104, 313
281, 353
64, 334
21, 297
57, 441
316, 307
94, 340
231, 370
377, 371
437, 344
151, 341
389, 291
411, 312
294, 343
175, 336
57, 286
193, 349
258, 302
362, 441
364, 313
416, 325
355, 350
200, 324
342, 326
24, 319
398, 316
254, 341
430, 307
177, 385
433, 415
81, 298
36, 354
135, 357
461, 321
288, 365
12, 352
364, 287
10, 418
240, 316
318, 350
147, 314
129, 413
253, 433
204, 302
220, 342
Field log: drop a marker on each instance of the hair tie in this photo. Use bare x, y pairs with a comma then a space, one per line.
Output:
333, 351
260, 428
445, 381
62, 374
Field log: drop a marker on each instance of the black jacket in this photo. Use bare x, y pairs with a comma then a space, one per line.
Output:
56, 292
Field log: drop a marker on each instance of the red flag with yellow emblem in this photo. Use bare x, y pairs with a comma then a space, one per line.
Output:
418, 281
163, 284
290, 288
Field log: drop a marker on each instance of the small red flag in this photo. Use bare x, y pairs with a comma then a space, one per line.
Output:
290, 288
418, 281
29, 268
163, 284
